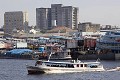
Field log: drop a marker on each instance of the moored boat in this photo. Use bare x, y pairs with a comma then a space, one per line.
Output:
109, 44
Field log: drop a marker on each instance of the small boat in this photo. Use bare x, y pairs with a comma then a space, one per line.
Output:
64, 67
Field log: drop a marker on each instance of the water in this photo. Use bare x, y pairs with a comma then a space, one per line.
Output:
13, 69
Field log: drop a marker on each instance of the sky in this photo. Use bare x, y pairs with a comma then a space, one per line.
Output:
104, 12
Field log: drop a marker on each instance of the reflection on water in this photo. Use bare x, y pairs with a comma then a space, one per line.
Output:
13, 69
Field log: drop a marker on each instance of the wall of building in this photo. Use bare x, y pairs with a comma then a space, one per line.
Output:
15, 20
70, 17
62, 15
56, 13
88, 27
43, 18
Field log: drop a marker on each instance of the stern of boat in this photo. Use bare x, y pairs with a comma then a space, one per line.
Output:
34, 70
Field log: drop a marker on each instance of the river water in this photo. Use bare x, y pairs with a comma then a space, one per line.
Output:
13, 69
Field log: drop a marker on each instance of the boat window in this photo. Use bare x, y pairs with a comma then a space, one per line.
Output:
51, 65
77, 65
57, 65
70, 66
54, 65
93, 66
81, 65
62, 65
48, 65
38, 62
68, 53
85, 65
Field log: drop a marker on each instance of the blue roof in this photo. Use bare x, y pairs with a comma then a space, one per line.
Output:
19, 51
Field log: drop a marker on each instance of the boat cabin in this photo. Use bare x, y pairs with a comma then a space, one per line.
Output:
68, 64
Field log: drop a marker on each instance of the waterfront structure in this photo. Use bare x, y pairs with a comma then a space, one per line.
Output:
109, 43
108, 27
15, 21
88, 27
43, 18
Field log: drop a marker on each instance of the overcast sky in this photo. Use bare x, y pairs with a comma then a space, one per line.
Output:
103, 12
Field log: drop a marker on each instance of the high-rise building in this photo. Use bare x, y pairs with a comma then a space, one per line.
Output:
43, 18
70, 17
17, 20
57, 15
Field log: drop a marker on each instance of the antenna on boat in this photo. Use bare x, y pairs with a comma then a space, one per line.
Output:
98, 60
50, 55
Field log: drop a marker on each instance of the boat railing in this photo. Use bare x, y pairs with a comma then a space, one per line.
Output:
98, 60
109, 47
75, 61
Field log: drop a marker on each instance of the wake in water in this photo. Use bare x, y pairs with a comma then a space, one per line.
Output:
114, 69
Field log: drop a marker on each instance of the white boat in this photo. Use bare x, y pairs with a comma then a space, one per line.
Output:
64, 67
110, 42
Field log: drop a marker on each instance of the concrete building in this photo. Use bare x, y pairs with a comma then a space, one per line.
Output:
70, 17
56, 14
43, 18
108, 27
88, 27
17, 20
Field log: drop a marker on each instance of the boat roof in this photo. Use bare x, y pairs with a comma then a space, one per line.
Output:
57, 62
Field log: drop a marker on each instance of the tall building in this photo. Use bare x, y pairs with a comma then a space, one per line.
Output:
70, 17
57, 15
43, 18
17, 20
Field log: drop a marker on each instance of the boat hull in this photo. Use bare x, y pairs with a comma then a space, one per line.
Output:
41, 70
35, 70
